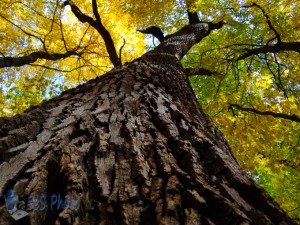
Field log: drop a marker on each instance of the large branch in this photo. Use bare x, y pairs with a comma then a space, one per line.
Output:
97, 24
32, 57
155, 31
193, 17
268, 113
179, 43
282, 46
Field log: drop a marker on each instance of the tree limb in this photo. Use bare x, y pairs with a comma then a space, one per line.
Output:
282, 46
155, 31
215, 26
193, 17
267, 18
23, 30
58, 69
191, 71
293, 117
121, 48
110, 46
180, 42
97, 24
32, 57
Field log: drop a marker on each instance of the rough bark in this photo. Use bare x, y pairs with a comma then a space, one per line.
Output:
135, 147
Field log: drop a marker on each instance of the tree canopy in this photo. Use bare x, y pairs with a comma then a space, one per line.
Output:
245, 75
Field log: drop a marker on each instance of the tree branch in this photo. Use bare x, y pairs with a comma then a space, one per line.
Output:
80, 16
97, 24
110, 46
174, 45
193, 17
32, 57
23, 30
282, 46
268, 113
155, 31
51, 27
58, 69
191, 71
267, 18
121, 48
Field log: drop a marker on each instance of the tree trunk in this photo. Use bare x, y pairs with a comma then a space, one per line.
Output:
135, 147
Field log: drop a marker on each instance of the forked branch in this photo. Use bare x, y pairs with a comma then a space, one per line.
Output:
282, 46
97, 24
278, 47
277, 35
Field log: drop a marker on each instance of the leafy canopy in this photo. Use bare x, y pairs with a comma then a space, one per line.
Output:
253, 63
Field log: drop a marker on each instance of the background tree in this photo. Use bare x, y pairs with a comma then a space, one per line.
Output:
256, 67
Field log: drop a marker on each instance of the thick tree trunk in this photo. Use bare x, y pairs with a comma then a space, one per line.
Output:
135, 147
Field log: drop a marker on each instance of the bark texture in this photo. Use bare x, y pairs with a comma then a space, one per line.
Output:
136, 148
